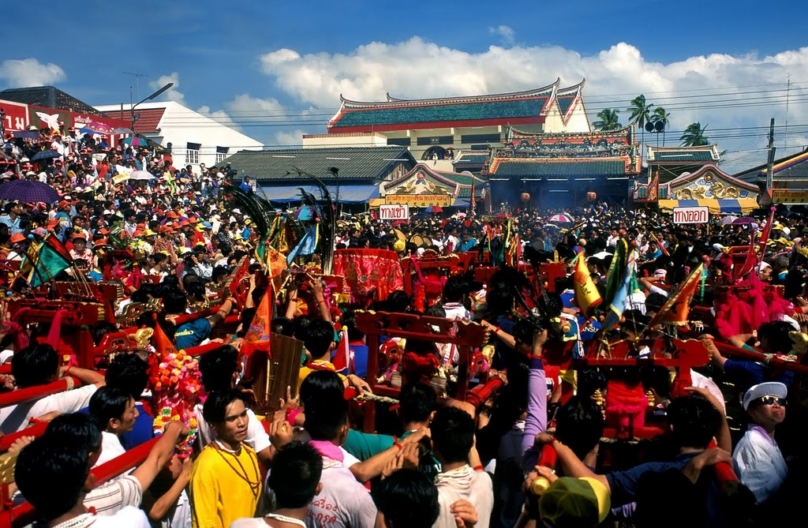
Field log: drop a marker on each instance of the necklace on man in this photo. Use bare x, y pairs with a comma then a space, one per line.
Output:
75, 522
255, 487
286, 519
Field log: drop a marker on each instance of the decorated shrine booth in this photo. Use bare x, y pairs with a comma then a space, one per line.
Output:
424, 187
708, 187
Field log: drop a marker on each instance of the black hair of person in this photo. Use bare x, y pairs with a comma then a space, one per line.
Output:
408, 498
34, 365
215, 409
108, 403
217, 368
452, 434
79, 430
296, 471
318, 338
417, 401
694, 421
129, 373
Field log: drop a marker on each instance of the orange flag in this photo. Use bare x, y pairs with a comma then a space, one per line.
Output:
162, 343
586, 294
257, 337
677, 307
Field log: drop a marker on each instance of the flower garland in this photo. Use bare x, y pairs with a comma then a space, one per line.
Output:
176, 388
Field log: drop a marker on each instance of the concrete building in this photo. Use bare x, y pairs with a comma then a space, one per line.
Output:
193, 138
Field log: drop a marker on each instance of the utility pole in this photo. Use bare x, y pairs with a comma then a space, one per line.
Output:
770, 163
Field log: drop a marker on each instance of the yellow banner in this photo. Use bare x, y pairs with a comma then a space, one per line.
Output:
420, 200
787, 196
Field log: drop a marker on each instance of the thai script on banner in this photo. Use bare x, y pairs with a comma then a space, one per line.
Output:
392, 213
691, 215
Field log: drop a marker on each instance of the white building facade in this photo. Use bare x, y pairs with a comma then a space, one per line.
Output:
192, 137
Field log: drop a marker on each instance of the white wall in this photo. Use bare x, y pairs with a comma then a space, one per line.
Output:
359, 139
181, 125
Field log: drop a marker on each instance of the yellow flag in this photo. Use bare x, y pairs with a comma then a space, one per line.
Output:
586, 294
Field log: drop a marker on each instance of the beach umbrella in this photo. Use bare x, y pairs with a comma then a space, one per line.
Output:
562, 218
28, 191
434, 209
135, 141
123, 130
96, 127
728, 219
744, 220
45, 155
141, 175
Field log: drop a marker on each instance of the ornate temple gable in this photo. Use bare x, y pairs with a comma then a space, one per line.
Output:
708, 180
423, 179
528, 107
568, 99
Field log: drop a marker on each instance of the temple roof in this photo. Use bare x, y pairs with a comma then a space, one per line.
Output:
526, 108
354, 163
683, 155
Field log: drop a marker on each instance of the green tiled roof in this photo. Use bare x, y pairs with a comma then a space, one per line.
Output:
447, 112
462, 179
465, 192
571, 168
565, 102
471, 159
361, 163
679, 156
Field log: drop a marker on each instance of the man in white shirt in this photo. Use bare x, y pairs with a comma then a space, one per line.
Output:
761, 466
38, 365
116, 413
453, 443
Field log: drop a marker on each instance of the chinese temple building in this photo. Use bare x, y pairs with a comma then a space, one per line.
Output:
424, 186
789, 180
562, 170
442, 128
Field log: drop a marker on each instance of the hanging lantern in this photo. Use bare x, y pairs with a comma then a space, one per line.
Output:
525, 197
591, 196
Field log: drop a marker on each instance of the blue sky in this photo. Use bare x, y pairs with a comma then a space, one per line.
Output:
292, 59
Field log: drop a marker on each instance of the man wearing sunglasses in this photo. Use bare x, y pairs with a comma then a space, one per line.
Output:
757, 456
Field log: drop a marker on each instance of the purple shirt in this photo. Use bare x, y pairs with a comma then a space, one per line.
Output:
536, 421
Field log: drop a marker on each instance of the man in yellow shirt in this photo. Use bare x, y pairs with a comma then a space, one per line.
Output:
318, 338
225, 479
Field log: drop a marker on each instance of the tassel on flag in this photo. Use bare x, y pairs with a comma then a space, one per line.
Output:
677, 307
586, 294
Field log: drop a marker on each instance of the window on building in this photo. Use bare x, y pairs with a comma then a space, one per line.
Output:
192, 153
221, 153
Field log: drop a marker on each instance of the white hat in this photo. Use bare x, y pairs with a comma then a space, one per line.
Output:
660, 273
30, 173
773, 388
786, 231
236, 211
764, 265
718, 247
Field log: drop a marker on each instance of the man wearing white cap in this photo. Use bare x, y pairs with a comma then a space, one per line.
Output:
758, 458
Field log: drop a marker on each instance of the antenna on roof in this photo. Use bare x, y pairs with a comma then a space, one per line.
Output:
137, 77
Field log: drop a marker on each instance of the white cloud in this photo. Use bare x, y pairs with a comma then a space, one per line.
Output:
30, 72
173, 94
293, 138
220, 116
416, 69
506, 34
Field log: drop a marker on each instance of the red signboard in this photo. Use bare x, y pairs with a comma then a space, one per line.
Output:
15, 116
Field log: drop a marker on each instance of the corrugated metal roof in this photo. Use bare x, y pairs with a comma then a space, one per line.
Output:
359, 163
49, 97
147, 123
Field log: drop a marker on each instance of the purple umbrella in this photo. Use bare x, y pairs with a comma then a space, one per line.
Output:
744, 220
26, 134
28, 191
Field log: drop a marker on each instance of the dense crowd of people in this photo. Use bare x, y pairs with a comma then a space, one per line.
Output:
432, 460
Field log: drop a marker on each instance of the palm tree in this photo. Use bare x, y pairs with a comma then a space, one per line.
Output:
640, 114
694, 136
609, 120
661, 116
